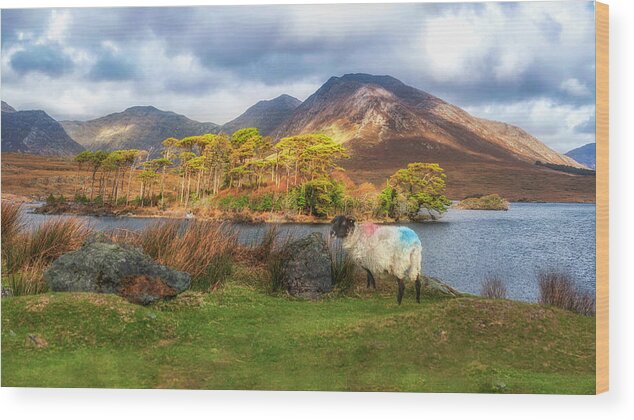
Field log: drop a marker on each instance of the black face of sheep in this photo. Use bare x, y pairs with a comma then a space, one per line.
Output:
342, 226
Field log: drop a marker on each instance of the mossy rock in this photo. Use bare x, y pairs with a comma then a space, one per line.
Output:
102, 267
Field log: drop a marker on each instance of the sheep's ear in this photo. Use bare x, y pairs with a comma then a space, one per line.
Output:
334, 220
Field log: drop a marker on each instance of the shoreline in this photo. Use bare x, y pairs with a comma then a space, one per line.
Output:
73, 209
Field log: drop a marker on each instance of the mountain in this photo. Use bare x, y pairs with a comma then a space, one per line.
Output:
35, 132
387, 124
265, 115
7, 108
138, 127
585, 155
369, 110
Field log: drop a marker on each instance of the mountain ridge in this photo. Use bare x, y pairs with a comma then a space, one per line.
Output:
357, 108
266, 115
7, 108
385, 124
136, 127
362, 108
35, 132
585, 155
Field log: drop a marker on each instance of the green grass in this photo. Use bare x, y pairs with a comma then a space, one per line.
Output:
241, 338
485, 202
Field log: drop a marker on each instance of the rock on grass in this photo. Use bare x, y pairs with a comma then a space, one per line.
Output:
307, 268
102, 267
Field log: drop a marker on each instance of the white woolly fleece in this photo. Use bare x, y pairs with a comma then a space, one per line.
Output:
386, 249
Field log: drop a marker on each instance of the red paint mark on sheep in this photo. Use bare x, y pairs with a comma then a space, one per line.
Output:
369, 229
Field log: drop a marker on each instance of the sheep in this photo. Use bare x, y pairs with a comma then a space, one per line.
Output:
395, 250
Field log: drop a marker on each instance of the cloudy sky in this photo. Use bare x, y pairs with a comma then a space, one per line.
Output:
531, 64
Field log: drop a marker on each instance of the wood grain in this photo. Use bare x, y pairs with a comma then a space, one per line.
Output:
602, 222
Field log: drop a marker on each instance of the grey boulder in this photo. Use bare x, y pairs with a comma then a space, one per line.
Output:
102, 267
435, 287
307, 268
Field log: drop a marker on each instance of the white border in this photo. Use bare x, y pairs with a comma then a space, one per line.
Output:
617, 403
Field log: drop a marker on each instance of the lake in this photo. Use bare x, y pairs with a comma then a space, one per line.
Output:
466, 246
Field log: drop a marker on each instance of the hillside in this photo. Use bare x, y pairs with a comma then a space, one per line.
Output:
35, 132
265, 115
369, 110
388, 124
139, 127
217, 341
7, 108
585, 155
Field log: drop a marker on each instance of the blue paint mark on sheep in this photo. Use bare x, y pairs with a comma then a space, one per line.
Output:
408, 236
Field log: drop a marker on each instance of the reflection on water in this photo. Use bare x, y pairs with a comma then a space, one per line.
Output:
466, 246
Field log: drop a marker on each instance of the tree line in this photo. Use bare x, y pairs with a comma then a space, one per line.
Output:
299, 173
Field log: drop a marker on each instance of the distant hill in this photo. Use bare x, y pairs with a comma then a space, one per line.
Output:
138, 127
585, 155
265, 115
35, 132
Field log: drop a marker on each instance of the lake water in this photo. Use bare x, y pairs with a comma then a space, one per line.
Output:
466, 246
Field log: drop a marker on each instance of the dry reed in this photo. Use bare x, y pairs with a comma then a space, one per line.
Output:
558, 289
493, 287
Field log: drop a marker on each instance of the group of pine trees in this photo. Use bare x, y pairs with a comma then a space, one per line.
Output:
299, 168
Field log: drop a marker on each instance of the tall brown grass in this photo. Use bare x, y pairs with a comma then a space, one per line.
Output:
202, 249
276, 264
493, 287
12, 222
557, 288
27, 253
271, 240
158, 238
45, 243
342, 267
273, 252
29, 281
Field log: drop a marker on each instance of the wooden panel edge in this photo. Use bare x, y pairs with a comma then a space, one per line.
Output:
602, 197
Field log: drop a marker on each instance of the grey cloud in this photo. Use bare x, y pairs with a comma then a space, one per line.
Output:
587, 127
551, 28
25, 21
189, 87
266, 44
277, 46
48, 60
112, 67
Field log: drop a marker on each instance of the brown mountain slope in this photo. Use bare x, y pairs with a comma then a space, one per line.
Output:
387, 124
138, 127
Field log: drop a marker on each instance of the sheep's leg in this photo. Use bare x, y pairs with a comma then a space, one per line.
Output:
371, 281
401, 290
417, 283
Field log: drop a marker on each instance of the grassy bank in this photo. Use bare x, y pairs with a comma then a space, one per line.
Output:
241, 338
